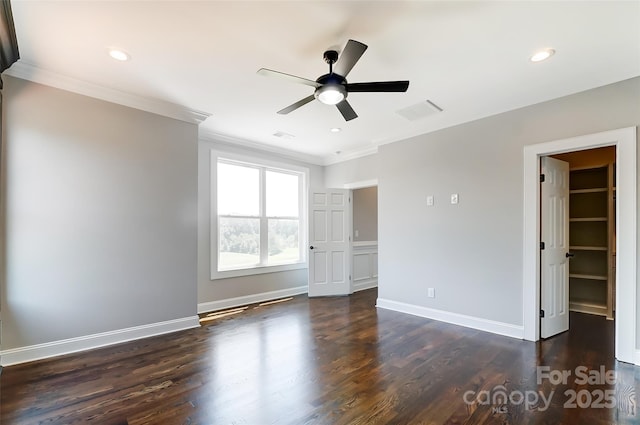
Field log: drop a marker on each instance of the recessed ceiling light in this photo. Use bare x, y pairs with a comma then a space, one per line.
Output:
542, 55
119, 55
335, 130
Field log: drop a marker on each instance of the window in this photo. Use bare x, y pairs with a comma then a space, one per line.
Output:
259, 224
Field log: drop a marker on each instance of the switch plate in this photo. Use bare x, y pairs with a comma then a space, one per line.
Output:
357, 233
454, 198
430, 200
431, 292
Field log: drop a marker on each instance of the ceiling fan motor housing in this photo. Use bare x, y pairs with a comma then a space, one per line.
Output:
331, 79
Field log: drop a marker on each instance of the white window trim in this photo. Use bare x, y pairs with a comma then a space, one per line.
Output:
213, 215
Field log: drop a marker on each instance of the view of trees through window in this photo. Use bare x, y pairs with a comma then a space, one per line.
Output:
258, 216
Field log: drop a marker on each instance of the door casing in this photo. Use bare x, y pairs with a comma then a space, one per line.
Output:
626, 233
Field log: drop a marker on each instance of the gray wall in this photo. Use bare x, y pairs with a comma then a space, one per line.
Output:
471, 253
222, 289
101, 216
365, 214
101, 229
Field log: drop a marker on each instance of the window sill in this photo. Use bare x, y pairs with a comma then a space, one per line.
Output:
215, 275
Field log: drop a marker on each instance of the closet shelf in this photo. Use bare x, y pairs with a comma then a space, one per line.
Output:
588, 276
594, 190
588, 248
589, 303
586, 219
588, 307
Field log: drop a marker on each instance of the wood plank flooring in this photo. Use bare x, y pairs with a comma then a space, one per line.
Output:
325, 361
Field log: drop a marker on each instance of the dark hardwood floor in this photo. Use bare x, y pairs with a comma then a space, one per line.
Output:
327, 361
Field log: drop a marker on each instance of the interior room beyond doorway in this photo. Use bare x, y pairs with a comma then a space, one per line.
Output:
592, 230
365, 238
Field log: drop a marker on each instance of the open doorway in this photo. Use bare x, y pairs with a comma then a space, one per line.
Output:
365, 238
626, 235
592, 230
577, 252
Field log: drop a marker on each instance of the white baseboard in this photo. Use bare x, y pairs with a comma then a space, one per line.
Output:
72, 345
500, 328
365, 285
250, 299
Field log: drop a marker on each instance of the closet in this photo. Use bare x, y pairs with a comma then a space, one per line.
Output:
592, 230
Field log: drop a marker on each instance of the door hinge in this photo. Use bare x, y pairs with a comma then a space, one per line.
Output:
541, 245
541, 178
541, 313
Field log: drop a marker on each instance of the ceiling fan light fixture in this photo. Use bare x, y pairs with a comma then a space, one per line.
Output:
331, 94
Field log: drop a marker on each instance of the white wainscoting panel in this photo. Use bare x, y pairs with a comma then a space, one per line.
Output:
365, 265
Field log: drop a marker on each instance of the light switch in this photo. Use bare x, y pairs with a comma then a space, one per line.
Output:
454, 198
430, 200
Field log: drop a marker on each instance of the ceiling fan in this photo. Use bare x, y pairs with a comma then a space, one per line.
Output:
333, 88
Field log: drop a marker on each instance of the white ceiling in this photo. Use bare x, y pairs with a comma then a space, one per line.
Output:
470, 58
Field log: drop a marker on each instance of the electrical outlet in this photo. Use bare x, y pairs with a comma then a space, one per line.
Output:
431, 292
454, 198
430, 200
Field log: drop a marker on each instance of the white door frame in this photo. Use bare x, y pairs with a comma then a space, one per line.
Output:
626, 241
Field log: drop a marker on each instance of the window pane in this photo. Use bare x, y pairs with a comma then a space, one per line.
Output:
238, 190
239, 243
282, 194
283, 241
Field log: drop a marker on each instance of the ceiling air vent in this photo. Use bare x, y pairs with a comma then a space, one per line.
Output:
420, 110
283, 135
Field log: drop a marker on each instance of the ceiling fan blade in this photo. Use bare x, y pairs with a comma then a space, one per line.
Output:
349, 57
292, 78
346, 110
379, 86
296, 105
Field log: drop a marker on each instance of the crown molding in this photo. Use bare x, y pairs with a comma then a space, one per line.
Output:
32, 73
29, 72
208, 135
231, 141
349, 155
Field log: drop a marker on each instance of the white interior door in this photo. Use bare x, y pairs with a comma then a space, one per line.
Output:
329, 242
554, 211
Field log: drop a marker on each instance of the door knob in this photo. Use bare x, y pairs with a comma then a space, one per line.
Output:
569, 255
311, 247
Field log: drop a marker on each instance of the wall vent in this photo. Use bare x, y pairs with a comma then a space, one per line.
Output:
419, 110
283, 135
